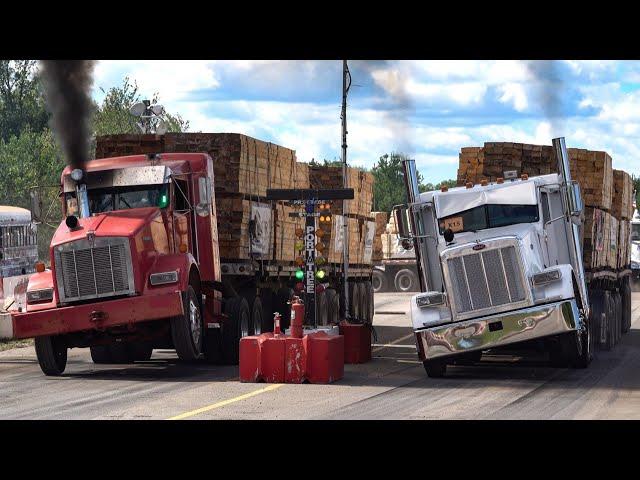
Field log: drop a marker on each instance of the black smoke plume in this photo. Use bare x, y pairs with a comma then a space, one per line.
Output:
548, 88
67, 85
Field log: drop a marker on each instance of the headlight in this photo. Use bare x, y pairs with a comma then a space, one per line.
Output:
431, 299
44, 295
546, 277
163, 278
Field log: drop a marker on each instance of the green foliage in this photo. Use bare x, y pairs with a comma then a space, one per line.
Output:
325, 163
29, 160
21, 100
388, 186
636, 187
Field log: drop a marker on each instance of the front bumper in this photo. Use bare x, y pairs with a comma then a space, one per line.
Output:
498, 330
96, 316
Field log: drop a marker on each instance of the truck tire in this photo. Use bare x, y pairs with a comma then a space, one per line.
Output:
100, 354
405, 281
596, 299
379, 281
120, 353
257, 317
333, 306
626, 306
617, 298
322, 309
364, 301
52, 355
607, 328
283, 306
435, 368
370, 305
212, 346
140, 351
354, 300
234, 328
186, 329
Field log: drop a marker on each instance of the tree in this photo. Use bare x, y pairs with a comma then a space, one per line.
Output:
112, 116
388, 182
430, 186
636, 187
21, 100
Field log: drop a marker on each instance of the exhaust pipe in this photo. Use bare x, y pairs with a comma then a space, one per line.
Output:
413, 193
81, 192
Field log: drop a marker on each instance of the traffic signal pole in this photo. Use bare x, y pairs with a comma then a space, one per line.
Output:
345, 184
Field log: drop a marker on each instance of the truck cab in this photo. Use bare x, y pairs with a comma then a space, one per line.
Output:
132, 264
500, 263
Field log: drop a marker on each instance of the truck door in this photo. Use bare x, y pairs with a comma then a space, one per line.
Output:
182, 216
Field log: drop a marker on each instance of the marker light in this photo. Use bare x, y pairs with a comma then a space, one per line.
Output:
325, 218
484, 182
164, 200
469, 185
320, 274
40, 267
299, 274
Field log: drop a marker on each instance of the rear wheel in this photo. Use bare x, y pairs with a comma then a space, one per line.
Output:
617, 298
333, 306
120, 353
364, 301
354, 300
368, 292
100, 354
257, 317
186, 329
379, 281
608, 317
406, 281
435, 368
234, 328
626, 306
140, 351
52, 355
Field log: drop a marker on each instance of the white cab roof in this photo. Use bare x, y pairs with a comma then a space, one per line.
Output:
10, 215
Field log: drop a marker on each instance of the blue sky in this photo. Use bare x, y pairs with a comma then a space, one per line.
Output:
428, 109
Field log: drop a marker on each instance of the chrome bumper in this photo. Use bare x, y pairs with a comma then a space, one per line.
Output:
498, 330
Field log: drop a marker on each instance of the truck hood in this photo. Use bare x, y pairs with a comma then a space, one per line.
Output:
121, 223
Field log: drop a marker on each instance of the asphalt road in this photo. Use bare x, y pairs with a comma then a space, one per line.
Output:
392, 386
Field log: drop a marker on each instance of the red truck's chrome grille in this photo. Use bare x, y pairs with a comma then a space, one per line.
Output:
85, 272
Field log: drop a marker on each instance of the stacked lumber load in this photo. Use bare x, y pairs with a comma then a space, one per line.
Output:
380, 219
360, 181
592, 169
624, 250
285, 232
242, 164
606, 240
391, 247
622, 202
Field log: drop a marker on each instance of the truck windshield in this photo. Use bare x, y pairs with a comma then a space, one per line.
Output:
122, 198
489, 216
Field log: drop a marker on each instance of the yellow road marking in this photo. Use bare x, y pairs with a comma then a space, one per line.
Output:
397, 340
226, 402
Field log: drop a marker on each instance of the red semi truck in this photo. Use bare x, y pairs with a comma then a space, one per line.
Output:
135, 265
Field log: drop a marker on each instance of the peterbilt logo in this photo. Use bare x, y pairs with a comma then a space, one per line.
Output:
479, 246
91, 238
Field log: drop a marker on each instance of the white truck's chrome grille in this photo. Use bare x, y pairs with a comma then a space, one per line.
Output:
102, 270
486, 279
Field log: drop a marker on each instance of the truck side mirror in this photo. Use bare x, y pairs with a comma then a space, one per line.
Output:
400, 214
575, 199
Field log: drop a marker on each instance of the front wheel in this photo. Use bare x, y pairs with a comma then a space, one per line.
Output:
186, 329
235, 326
379, 281
406, 281
435, 368
52, 355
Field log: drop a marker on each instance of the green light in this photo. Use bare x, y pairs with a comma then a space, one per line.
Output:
164, 200
299, 274
320, 274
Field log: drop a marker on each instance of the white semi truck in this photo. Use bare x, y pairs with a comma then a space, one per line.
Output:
501, 264
635, 247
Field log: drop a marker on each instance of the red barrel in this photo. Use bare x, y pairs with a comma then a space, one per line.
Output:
297, 317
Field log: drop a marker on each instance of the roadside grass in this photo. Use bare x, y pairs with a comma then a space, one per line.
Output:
9, 344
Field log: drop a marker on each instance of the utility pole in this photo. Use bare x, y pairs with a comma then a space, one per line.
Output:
345, 184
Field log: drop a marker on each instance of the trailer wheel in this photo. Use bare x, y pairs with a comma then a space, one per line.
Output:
617, 298
257, 317
596, 300
52, 355
354, 300
607, 328
333, 306
369, 313
120, 353
379, 281
186, 329
435, 368
140, 351
406, 281
626, 306
234, 328
100, 354
364, 301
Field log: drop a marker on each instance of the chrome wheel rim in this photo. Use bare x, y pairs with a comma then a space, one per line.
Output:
244, 324
194, 321
405, 282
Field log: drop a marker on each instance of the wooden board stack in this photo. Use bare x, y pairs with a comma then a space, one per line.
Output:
381, 219
360, 181
622, 203
592, 169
